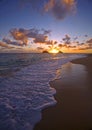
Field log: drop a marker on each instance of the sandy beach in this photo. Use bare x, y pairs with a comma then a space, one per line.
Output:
73, 110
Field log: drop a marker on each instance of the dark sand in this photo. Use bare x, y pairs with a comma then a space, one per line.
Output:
73, 110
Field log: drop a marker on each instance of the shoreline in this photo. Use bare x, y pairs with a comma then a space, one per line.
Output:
74, 99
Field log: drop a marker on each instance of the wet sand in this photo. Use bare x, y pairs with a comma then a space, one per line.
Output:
73, 110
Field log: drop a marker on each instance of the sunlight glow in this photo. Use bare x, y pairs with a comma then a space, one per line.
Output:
54, 51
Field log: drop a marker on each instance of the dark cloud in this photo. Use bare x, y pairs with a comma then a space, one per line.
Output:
86, 35
46, 32
67, 39
60, 8
16, 43
55, 42
41, 39
71, 46
89, 45
60, 45
51, 42
86, 45
89, 41
49, 47
82, 43
40, 48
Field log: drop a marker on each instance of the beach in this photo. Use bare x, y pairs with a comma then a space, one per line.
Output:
73, 110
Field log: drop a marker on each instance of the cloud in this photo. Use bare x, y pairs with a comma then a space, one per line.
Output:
8, 41
75, 38
46, 32
4, 45
38, 36
51, 42
86, 45
40, 48
19, 35
89, 41
67, 39
60, 45
69, 42
60, 8
86, 35
71, 46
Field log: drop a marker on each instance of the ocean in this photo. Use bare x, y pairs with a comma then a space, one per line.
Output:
25, 89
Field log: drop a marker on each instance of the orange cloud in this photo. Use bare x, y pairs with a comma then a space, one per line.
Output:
18, 35
38, 36
4, 45
69, 2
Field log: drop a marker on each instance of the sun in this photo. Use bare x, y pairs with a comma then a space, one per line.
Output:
54, 51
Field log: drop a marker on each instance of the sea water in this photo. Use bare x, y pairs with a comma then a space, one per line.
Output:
25, 89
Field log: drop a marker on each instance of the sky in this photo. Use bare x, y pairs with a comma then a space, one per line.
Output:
46, 25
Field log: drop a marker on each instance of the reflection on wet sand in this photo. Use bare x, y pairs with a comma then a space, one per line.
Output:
73, 110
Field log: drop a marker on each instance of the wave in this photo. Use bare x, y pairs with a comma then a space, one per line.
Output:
25, 94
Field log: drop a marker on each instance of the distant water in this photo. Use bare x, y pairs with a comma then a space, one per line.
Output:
25, 89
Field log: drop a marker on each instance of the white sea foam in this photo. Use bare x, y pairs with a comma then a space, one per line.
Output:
24, 95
